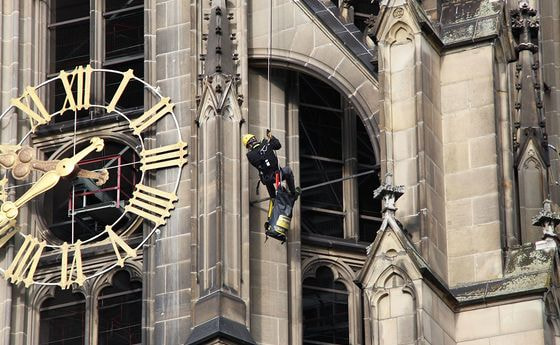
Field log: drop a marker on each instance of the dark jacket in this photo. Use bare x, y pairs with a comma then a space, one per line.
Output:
263, 158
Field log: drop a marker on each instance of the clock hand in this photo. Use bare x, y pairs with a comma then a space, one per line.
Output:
63, 168
9, 210
100, 177
21, 161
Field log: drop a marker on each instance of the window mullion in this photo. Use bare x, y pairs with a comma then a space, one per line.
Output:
349, 187
97, 46
90, 337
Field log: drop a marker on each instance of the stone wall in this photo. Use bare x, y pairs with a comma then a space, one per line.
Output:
169, 274
269, 261
470, 162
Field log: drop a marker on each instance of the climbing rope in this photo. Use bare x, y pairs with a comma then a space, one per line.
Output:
269, 53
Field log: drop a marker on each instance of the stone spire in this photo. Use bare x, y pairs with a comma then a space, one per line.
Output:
548, 220
529, 122
219, 56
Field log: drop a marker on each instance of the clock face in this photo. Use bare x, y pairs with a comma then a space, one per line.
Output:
92, 186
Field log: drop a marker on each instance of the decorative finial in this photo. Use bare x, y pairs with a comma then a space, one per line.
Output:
390, 194
548, 221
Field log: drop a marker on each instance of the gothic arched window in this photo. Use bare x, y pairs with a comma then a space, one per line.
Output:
63, 319
120, 312
325, 309
338, 162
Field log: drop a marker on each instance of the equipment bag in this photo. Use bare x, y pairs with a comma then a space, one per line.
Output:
279, 222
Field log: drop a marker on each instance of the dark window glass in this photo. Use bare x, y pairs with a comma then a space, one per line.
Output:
323, 223
62, 319
313, 172
124, 34
94, 206
115, 5
320, 132
369, 208
318, 93
133, 97
325, 309
120, 312
69, 9
71, 43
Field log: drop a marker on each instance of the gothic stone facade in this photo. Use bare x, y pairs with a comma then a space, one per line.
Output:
457, 100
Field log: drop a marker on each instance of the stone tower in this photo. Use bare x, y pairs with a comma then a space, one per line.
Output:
425, 135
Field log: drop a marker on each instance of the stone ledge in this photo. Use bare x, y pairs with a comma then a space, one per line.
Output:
220, 328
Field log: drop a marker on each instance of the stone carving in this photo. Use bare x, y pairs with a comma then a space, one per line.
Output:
548, 220
398, 12
389, 194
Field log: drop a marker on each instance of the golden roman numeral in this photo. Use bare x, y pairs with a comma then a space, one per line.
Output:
119, 244
7, 231
26, 261
82, 77
164, 157
124, 82
152, 204
156, 112
75, 274
35, 118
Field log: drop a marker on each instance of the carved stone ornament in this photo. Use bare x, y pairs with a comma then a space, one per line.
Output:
398, 12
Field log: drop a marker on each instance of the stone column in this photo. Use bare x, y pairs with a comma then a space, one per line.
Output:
168, 264
220, 311
411, 124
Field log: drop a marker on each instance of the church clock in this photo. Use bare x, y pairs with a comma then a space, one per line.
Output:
95, 190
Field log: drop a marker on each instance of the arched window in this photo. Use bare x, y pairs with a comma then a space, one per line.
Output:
120, 312
335, 150
325, 309
63, 319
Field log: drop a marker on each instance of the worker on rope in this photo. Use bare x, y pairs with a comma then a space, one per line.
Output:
261, 155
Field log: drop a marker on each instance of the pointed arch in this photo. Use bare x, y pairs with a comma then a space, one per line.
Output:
341, 273
400, 32
531, 182
362, 94
393, 300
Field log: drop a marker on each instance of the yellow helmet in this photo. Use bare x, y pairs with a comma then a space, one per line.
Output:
247, 138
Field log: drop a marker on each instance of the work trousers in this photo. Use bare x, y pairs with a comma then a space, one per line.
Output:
287, 175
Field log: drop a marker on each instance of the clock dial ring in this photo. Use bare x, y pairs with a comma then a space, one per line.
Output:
146, 201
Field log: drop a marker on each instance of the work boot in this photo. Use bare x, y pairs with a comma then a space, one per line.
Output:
279, 235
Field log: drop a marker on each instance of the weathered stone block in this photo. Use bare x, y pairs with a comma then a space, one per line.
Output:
483, 151
520, 317
477, 324
461, 269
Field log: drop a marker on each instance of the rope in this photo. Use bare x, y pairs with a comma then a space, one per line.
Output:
269, 53
322, 184
73, 186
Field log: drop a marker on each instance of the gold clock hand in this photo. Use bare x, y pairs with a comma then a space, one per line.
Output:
43, 184
96, 144
9, 210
